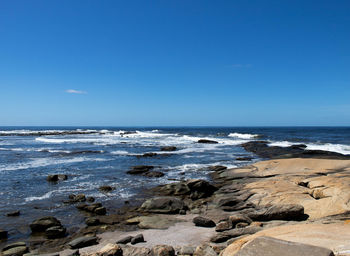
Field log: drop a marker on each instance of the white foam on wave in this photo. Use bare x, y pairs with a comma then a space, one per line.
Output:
41, 162
281, 143
120, 152
337, 148
245, 136
36, 150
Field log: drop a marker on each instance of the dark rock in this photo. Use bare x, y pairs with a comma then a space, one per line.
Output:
226, 235
268, 246
203, 222
13, 214
3, 234
262, 149
81, 207
92, 221
137, 239
207, 141
55, 232
168, 148
163, 205
44, 223
90, 199
125, 240
163, 250
100, 211
200, 188
280, 212
154, 174
246, 158
140, 169
83, 242
76, 198
56, 177
217, 168
106, 189
150, 154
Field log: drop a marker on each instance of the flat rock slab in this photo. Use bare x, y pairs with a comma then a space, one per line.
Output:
335, 237
268, 246
83, 242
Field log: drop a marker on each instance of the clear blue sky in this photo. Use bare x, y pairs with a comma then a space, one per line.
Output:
126, 63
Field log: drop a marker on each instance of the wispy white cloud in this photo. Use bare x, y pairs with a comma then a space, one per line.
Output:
240, 66
75, 91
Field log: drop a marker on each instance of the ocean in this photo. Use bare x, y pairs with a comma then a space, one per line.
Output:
97, 156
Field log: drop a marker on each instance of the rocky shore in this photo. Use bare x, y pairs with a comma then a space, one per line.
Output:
294, 203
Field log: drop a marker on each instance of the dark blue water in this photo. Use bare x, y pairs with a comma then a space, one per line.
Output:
102, 155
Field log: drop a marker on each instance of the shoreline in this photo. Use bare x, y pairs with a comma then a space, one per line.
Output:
235, 184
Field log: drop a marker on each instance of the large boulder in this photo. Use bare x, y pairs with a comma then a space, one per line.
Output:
164, 204
280, 212
203, 222
163, 250
268, 246
200, 188
83, 242
44, 223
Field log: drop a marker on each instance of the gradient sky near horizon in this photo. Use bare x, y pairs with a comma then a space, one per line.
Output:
174, 63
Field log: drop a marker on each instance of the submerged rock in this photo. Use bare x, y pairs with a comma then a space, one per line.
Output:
154, 174
106, 189
56, 177
13, 214
3, 234
140, 169
168, 148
